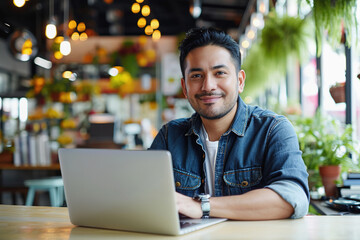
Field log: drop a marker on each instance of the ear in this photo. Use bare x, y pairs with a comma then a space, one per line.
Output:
241, 76
183, 85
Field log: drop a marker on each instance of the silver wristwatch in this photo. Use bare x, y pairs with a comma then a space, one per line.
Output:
205, 204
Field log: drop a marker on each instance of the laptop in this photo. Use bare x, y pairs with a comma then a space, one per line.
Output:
131, 190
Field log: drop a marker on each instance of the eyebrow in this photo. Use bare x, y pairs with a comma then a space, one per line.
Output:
214, 67
219, 66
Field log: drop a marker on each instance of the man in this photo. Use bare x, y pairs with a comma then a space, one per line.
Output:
245, 159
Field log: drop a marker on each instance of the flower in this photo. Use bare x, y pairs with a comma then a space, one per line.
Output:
65, 139
68, 123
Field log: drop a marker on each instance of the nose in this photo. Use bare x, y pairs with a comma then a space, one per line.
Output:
209, 83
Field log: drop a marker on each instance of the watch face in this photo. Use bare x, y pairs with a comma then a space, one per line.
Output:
205, 206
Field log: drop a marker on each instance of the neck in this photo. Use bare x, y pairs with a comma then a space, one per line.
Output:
215, 128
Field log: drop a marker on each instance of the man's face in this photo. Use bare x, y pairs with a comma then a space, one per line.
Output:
211, 82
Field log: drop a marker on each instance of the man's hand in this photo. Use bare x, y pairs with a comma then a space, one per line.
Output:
259, 204
188, 206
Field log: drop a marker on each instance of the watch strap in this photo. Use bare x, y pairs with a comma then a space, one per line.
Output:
205, 204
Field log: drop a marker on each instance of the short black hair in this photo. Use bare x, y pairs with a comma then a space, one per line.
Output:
199, 37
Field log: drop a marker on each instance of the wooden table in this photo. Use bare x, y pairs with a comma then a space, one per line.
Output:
20, 222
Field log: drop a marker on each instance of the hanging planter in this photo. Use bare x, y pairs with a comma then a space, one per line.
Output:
337, 92
334, 17
283, 39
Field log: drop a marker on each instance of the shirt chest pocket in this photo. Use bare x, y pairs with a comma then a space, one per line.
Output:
186, 183
242, 180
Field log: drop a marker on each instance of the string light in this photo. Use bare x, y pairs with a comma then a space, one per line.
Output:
72, 24
245, 44
141, 22
250, 32
59, 39
156, 35
27, 47
145, 11
81, 27
148, 30
58, 55
154, 23
83, 36
135, 8
75, 36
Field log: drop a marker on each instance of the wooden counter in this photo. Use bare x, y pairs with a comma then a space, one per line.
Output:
20, 222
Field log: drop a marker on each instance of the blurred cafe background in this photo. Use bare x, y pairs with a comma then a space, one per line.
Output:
105, 74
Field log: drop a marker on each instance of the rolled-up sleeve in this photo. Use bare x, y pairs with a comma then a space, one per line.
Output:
294, 194
285, 171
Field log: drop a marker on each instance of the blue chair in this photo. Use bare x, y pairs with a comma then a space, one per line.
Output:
54, 186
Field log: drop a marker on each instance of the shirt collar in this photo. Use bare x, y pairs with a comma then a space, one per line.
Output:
238, 126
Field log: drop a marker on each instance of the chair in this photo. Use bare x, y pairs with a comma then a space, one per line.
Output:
55, 186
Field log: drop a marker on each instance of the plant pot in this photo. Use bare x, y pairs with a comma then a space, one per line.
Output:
329, 175
338, 93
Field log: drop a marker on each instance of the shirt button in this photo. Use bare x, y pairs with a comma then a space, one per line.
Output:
203, 156
177, 184
202, 180
244, 183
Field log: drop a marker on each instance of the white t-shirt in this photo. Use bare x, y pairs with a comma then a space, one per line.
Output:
211, 148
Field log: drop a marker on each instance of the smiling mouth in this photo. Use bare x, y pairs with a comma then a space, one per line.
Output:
209, 98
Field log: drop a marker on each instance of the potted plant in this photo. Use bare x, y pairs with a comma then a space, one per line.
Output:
337, 92
335, 17
283, 39
326, 148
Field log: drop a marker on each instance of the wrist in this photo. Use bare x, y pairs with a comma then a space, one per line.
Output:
204, 200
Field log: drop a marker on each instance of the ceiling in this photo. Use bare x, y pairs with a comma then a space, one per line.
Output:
116, 18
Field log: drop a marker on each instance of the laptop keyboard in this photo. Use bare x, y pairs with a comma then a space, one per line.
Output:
184, 224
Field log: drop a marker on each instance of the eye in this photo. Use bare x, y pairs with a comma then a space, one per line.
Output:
220, 73
195, 76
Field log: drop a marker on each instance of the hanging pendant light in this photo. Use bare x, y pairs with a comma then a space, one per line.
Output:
50, 30
65, 46
195, 8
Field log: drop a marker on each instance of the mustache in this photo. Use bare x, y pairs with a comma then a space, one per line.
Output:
209, 94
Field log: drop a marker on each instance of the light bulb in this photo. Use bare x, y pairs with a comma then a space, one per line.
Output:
154, 23
156, 35
72, 24
141, 22
67, 74
113, 72
148, 30
58, 55
50, 31
81, 27
195, 8
75, 36
19, 3
83, 36
135, 8
65, 47
245, 44
145, 11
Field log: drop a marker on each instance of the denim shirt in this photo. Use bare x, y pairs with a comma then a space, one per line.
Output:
259, 150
